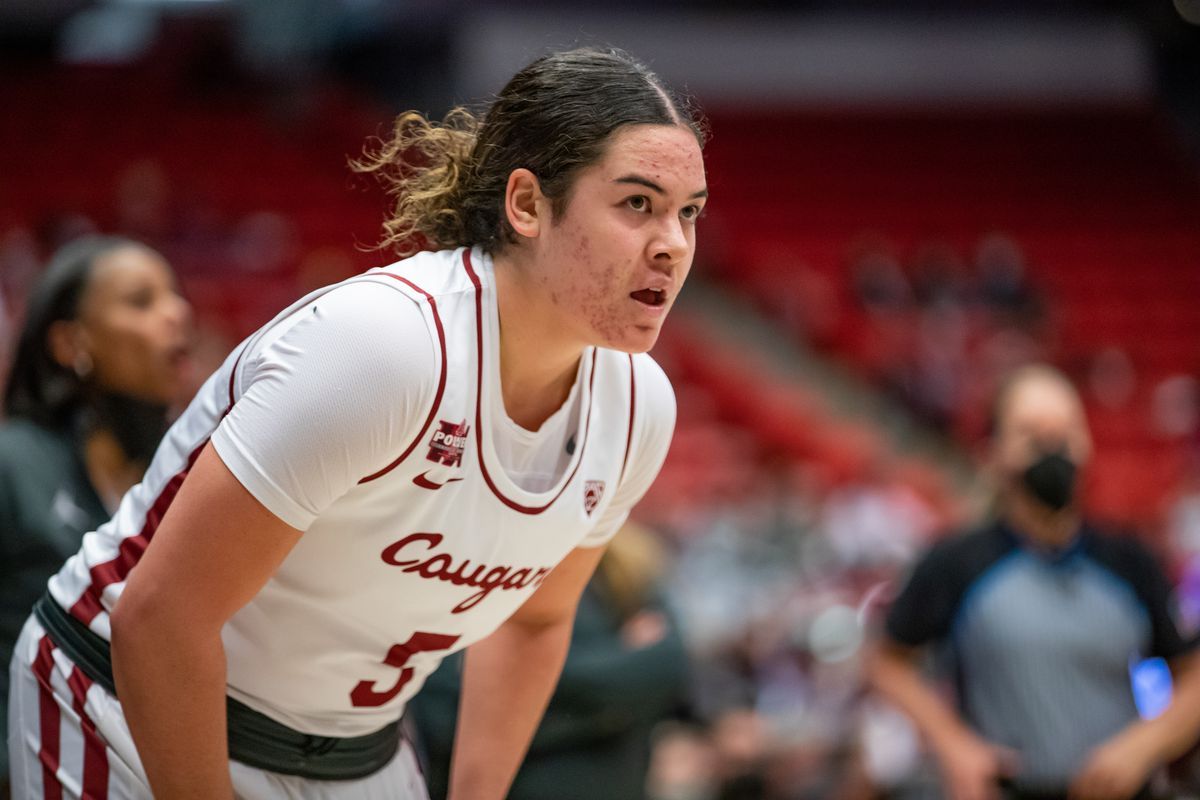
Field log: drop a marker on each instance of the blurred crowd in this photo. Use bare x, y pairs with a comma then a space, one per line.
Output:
780, 583
773, 582
238, 269
939, 332
773, 571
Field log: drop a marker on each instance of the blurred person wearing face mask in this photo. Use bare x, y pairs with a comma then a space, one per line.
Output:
1042, 614
102, 354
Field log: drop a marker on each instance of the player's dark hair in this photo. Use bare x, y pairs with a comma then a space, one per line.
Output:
38, 387
553, 118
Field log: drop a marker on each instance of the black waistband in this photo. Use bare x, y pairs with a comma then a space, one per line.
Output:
254, 738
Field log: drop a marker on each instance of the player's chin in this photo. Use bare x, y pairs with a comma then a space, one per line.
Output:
637, 338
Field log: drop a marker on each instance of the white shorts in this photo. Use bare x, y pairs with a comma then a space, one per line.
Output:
68, 739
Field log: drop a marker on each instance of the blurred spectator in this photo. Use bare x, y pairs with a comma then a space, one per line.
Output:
683, 765
769, 595
941, 364
1176, 407
1183, 516
1183, 538
940, 342
1042, 614
940, 278
876, 522
885, 295
624, 673
1003, 288
101, 356
879, 281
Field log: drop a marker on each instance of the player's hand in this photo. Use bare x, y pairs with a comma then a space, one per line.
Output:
971, 767
1115, 770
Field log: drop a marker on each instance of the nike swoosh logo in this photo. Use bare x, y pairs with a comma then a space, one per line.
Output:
425, 483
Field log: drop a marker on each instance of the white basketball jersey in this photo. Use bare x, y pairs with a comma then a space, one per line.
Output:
430, 545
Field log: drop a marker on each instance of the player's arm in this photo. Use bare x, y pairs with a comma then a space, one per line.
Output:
1176, 730
892, 671
214, 550
970, 765
1122, 764
508, 679
923, 613
1119, 767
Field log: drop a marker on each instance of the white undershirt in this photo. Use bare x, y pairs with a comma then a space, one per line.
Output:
536, 460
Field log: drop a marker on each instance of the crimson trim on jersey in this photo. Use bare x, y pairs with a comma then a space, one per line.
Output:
632, 406
487, 478
130, 550
48, 720
232, 376
437, 398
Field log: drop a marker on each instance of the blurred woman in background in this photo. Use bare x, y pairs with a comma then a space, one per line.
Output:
100, 358
626, 671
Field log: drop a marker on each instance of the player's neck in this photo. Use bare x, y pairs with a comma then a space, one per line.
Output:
538, 363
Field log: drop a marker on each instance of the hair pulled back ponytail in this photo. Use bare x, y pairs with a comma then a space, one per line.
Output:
448, 178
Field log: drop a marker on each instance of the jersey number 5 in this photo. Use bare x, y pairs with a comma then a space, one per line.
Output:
364, 694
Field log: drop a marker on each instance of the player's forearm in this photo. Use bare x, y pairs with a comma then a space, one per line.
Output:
507, 681
171, 682
894, 676
1173, 732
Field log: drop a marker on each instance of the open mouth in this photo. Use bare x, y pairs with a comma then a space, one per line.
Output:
651, 297
179, 357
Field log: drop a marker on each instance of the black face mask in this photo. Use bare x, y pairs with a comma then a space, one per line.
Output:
1051, 479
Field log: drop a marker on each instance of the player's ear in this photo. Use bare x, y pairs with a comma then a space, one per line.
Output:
524, 203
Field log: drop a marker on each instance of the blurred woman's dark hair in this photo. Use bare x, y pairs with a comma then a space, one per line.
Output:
39, 388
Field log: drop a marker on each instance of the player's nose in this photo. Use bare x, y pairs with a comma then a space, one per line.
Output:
670, 244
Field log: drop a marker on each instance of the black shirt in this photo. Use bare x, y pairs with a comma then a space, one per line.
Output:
47, 503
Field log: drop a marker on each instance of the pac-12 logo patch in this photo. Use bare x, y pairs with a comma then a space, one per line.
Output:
446, 446
592, 492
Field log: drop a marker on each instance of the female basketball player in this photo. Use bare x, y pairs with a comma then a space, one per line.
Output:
424, 457
101, 355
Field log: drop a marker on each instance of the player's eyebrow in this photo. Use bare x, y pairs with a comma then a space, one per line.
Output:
649, 184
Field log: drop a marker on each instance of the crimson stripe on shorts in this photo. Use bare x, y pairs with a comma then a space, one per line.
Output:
632, 406
131, 548
95, 752
437, 398
587, 425
48, 720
